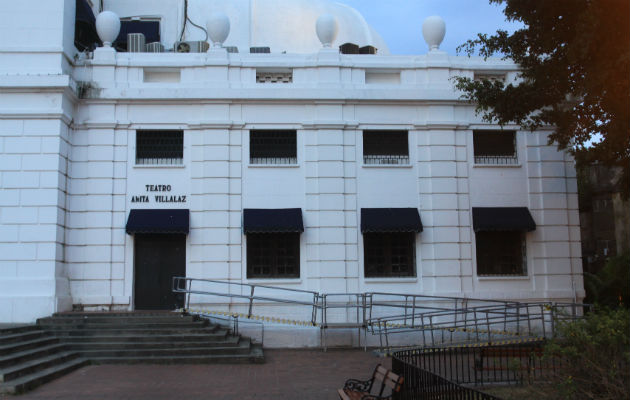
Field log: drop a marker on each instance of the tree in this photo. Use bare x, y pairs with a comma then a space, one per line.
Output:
575, 60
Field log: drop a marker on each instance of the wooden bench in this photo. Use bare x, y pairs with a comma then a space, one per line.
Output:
363, 390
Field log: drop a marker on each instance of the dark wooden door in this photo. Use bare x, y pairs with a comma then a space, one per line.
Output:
157, 259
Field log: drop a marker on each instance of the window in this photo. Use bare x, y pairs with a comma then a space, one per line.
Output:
273, 255
273, 147
385, 147
389, 254
495, 147
501, 253
159, 147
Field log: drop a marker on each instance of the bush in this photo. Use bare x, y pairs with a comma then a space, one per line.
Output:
610, 287
595, 357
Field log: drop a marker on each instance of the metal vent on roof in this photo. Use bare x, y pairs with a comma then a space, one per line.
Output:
231, 49
368, 50
492, 77
260, 50
274, 76
349, 48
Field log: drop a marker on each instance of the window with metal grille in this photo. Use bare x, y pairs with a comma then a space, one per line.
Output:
389, 254
385, 147
159, 147
273, 147
501, 253
273, 255
495, 147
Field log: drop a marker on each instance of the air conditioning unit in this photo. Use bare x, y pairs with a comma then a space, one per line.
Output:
135, 42
197, 46
155, 47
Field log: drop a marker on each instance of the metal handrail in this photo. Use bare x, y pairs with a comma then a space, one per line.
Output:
478, 317
184, 285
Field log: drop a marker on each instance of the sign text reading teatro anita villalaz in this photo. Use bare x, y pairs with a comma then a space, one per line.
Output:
158, 198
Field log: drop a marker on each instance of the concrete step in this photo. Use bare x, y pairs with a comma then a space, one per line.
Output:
225, 342
30, 381
17, 329
212, 336
32, 366
117, 326
130, 331
15, 337
9, 348
119, 320
243, 347
31, 354
117, 314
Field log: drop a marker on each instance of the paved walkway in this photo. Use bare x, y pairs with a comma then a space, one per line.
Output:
287, 374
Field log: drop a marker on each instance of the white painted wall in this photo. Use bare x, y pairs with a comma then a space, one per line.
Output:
68, 172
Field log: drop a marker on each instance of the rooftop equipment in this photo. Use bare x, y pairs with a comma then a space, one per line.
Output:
349, 48
135, 42
259, 50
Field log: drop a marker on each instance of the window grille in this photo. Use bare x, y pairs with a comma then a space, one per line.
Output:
389, 254
159, 147
501, 253
273, 147
385, 147
490, 77
273, 255
495, 147
274, 77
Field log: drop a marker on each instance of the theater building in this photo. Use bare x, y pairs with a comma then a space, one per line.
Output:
269, 156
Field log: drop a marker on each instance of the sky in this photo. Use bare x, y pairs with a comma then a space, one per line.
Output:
399, 22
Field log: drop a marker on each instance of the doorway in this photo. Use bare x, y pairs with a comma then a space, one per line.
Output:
157, 259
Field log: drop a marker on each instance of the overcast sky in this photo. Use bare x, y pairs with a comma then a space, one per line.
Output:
400, 21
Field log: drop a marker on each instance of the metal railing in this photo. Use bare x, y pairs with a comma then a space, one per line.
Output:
439, 320
247, 292
421, 384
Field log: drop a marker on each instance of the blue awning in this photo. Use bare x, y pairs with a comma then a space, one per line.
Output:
390, 220
165, 221
274, 220
502, 219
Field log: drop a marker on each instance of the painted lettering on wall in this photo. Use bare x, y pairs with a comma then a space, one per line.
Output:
144, 198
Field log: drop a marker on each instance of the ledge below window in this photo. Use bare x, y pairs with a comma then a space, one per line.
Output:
273, 165
503, 277
159, 166
386, 165
517, 165
275, 281
393, 279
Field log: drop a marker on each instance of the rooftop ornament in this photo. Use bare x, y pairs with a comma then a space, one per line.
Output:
107, 27
326, 28
218, 25
433, 31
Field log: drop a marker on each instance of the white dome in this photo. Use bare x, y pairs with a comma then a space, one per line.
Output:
283, 25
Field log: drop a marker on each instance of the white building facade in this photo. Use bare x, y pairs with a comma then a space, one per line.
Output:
309, 169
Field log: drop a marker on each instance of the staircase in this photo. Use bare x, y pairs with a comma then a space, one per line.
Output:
35, 354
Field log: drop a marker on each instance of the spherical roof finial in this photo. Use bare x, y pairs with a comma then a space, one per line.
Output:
433, 30
326, 28
107, 27
218, 25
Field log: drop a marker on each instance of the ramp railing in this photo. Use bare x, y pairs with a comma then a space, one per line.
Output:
438, 319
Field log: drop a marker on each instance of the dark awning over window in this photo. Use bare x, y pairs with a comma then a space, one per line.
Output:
390, 220
502, 219
276, 220
158, 221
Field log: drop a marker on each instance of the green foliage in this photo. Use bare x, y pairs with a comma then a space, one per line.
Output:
610, 287
595, 357
575, 60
